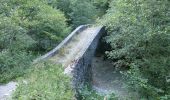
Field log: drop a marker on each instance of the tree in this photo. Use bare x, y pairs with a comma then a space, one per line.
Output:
79, 11
101, 5
14, 54
83, 12
44, 24
139, 36
27, 28
63, 5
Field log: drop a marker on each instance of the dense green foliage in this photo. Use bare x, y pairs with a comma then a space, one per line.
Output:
79, 12
83, 12
26, 28
87, 93
139, 35
14, 43
45, 81
101, 5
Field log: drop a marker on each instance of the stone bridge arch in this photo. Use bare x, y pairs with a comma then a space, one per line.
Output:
77, 63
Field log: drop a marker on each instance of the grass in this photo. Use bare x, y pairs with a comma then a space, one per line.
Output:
45, 81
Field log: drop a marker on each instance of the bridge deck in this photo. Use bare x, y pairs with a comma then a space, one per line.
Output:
76, 47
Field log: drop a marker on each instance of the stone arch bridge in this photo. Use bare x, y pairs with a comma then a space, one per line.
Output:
75, 53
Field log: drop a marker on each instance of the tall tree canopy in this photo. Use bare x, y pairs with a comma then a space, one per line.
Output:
139, 35
25, 27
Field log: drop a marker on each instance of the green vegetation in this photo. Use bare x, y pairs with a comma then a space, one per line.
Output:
83, 13
27, 28
86, 93
139, 35
30, 28
14, 54
78, 12
45, 81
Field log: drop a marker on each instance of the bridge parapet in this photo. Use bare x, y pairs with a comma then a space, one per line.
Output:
62, 44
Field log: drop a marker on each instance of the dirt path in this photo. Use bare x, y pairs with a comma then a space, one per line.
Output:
6, 90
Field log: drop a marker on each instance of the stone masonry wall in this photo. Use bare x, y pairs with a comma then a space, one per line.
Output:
82, 72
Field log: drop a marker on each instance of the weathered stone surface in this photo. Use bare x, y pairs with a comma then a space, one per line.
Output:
82, 70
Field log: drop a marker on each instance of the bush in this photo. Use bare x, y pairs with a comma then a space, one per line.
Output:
13, 65
45, 81
14, 55
86, 93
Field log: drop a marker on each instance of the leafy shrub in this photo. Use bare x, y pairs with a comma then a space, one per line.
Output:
14, 55
45, 81
86, 93
13, 65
